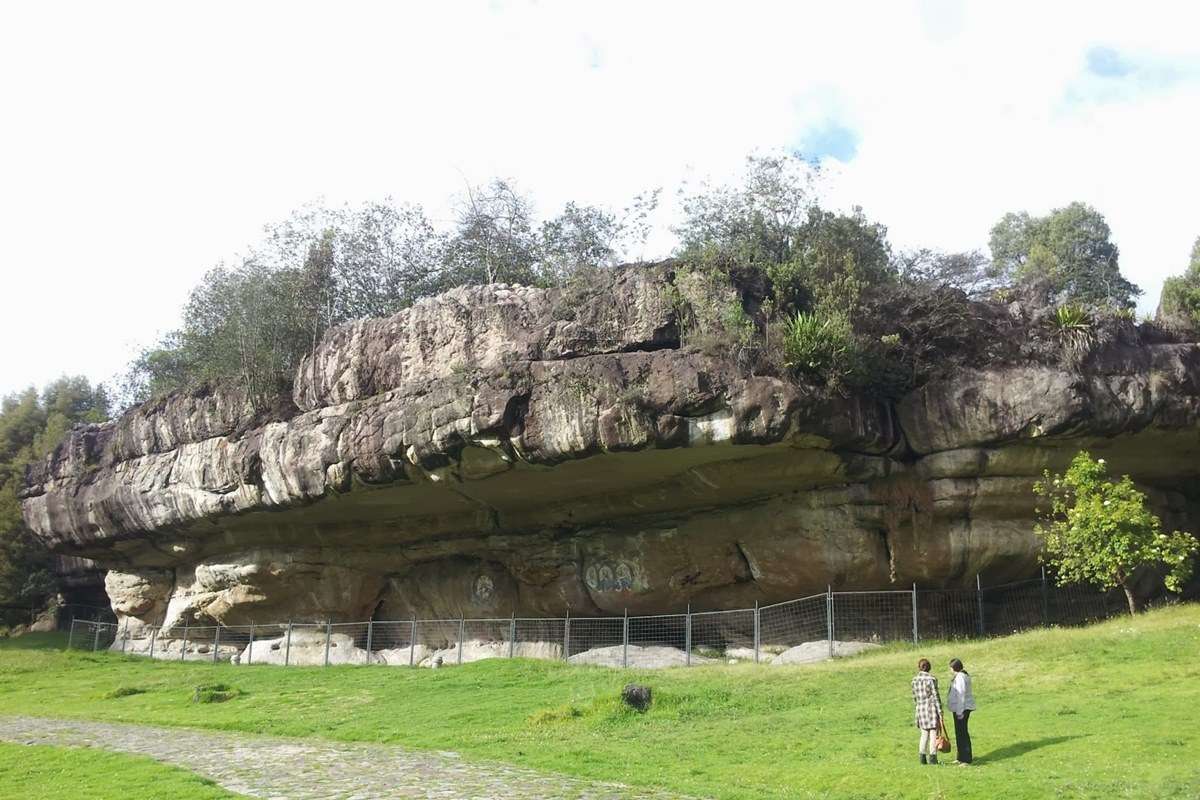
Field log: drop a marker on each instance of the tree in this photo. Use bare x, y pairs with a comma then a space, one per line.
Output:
754, 223
579, 237
1069, 249
494, 239
835, 257
1180, 299
1100, 531
969, 271
31, 426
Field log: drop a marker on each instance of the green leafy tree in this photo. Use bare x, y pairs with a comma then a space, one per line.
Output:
756, 222
1069, 250
1100, 531
836, 257
1180, 299
31, 426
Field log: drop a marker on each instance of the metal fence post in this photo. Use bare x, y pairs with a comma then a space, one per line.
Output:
250, 648
687, 637
512, 635
96, 636
370, 637
829, 617
71, 634
287, 645
567, 636
412, 643
979, 602
183, 650
1045, 600
625, 640
216, 644
462, 627
914, 601
153, 636
328, 636
757, 640
125, 638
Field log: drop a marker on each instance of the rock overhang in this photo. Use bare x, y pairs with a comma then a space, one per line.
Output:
597, 463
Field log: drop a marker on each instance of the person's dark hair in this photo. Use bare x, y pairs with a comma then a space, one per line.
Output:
957, 666
923, 665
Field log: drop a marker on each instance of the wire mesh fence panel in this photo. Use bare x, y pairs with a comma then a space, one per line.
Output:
663, 630
946, 614
437, 634
786, 625
1077, 605
302, 644
875, 617
595, 633
723, 634
540, 638
477, 639
91, 635
135, 640
1014, 607
392, 643
348, 643
656, 640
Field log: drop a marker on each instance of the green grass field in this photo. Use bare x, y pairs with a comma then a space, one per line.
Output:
64, 773
1100, 712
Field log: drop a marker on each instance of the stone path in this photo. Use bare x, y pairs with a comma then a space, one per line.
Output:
314, 769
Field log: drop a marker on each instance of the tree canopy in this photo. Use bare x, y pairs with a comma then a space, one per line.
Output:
1180, 300
828, 281
1070, 250
31, 425
253, 320
1101, 531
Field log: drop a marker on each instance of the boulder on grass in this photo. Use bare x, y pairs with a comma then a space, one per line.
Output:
812, 652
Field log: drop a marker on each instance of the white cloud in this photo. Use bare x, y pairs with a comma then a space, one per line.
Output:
142, 143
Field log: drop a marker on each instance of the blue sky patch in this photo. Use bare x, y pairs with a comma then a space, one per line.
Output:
830, 139
1107, 63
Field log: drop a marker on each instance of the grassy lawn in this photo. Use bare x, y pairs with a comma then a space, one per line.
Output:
1101, 712
65, 773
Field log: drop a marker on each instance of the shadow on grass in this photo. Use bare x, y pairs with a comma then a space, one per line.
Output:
35, 641
1021, 748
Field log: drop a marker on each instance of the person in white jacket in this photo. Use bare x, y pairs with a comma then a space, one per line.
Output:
962, 702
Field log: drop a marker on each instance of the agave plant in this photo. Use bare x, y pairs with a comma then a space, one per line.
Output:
1074, 327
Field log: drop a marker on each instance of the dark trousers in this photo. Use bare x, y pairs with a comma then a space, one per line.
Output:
962, 738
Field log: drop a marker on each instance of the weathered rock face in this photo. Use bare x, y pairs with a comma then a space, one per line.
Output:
500, 450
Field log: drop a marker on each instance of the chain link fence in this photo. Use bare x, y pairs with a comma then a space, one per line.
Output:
797, 631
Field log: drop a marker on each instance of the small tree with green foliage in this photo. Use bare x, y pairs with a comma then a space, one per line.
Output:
1100, 531
1180, 299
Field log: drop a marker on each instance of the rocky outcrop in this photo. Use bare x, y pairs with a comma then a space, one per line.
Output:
506, 450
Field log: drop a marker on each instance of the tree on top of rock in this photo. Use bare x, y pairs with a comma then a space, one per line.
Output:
1180, 300
1069, 251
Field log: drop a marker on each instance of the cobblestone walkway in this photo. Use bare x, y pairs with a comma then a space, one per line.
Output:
313, 769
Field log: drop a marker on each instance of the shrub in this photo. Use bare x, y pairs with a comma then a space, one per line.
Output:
1074, 327
821, 344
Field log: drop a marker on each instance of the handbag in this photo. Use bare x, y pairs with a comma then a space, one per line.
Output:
943, 741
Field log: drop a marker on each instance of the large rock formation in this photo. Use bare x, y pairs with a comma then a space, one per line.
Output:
505, 449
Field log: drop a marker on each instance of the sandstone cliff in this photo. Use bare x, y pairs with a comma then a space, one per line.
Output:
506, 449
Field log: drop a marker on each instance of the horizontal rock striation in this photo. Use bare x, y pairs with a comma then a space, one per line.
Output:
500, 449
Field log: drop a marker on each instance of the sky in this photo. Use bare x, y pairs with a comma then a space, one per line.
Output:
142, 143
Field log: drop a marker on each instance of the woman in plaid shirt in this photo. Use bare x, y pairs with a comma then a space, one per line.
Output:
929, 711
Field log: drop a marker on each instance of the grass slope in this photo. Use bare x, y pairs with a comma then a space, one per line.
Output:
1100, 712
67, 773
